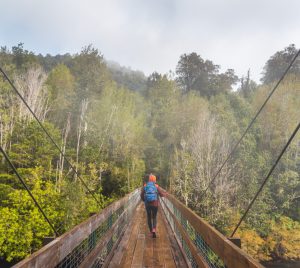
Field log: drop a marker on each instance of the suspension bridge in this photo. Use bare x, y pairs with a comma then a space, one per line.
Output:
118, 237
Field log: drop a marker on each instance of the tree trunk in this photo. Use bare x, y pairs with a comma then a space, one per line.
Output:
63, 148
84, 106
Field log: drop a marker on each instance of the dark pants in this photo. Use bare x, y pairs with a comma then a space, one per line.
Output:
151, 216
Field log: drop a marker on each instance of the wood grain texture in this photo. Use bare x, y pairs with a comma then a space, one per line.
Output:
144, 251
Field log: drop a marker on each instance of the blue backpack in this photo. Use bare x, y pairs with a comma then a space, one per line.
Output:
150, 192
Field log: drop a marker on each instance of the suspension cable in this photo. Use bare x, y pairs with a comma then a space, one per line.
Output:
27, 189
266, 179
251, 123
48, 134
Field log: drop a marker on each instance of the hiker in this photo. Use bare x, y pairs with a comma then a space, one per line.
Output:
149, 195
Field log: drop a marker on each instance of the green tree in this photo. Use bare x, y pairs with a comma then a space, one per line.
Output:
90, 72
22, 225
277, 64
31, 147
23, 58
195, 73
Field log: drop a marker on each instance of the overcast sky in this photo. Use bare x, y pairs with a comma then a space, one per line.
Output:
150, 35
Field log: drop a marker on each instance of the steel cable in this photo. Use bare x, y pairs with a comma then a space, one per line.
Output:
251, 123
266, 179
27, 189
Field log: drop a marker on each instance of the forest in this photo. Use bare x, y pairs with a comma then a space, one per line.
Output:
115, 125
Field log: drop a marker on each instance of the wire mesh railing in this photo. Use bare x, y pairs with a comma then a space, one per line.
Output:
124, 219
212, 259
91, 243
202, 245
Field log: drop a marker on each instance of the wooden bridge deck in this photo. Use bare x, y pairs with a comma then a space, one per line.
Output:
101, 242
139, 249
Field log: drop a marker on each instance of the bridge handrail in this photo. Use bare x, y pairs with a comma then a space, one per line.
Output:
96, 236
203, 245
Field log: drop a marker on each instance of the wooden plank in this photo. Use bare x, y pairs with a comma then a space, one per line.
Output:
138, 256
123, 245
166, 257
128, 256
46, 257
156, 252
158, 259
148, 254
165, 254
226, 250
177, 256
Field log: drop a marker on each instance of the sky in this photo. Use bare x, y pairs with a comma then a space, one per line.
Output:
150, 35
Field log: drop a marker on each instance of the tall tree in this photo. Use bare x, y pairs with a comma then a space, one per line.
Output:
23, 58
90, 71
194, 73
277, 64
248, 86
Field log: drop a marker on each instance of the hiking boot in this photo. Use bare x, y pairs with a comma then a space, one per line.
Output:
154, 232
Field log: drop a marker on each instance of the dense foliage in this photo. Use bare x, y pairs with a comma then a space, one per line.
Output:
115, 125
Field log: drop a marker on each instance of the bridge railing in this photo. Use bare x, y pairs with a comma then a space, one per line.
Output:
202, 245
89, 244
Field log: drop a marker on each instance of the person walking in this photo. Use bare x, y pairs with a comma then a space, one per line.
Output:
149, 194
